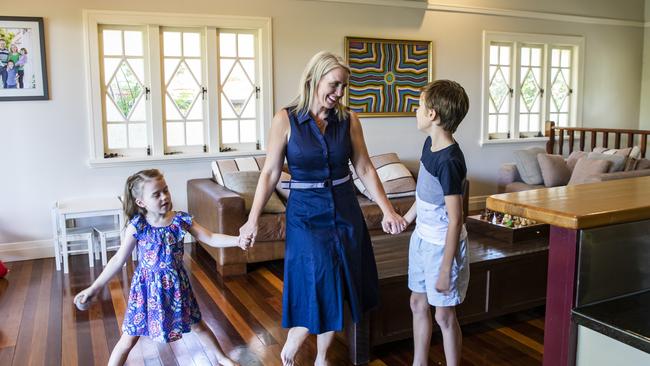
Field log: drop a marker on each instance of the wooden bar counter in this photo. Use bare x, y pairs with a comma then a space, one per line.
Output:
572, 212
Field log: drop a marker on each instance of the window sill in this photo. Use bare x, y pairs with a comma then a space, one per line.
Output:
513, 141
170, 159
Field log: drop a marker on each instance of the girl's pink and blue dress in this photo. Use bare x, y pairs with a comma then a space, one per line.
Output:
161, 303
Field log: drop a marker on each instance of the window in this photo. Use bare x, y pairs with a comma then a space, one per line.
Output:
527, 80
197, 87
123, 90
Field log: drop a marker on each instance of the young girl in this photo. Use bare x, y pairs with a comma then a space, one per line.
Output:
161, 303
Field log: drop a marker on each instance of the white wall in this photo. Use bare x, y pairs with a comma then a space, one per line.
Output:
44, 145
644, 112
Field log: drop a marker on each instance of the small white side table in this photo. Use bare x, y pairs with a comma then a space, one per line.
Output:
80, 208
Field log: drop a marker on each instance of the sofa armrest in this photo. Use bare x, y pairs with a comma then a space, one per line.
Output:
617, 175
508, 173
215, 207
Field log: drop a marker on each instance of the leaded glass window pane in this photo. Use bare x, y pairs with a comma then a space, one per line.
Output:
123, 69
184, 101
238, 100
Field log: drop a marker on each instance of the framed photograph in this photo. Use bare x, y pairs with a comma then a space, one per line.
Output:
23, 70
386, 75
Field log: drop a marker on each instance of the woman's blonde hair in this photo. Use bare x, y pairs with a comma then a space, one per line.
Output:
319, 65
133, 190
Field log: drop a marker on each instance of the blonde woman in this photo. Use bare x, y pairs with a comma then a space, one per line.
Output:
328, 258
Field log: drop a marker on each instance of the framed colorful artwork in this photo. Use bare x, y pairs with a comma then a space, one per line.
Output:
386, 75
23, 70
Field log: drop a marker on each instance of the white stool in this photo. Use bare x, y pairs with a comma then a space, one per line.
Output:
105, 232
77, 234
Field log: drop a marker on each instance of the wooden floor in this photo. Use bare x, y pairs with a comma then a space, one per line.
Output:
39, 325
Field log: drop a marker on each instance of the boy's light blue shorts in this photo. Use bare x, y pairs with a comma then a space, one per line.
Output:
424, 265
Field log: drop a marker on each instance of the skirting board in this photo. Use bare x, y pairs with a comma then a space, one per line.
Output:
22, 251
13, 252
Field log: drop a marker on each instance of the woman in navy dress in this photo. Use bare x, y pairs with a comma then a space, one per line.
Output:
328, 257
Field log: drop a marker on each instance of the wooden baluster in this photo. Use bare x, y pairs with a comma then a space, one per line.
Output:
630, 139
605, 139
644, 139
617, 140
549, 130
571, 134
561, 142
582, 140
594, 137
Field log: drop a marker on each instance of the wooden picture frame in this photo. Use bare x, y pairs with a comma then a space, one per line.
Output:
386, 75
23, 69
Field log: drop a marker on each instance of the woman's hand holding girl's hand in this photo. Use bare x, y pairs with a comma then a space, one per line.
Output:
243, 243
393, 223
247, 234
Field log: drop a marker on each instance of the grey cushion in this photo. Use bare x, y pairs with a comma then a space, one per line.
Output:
554, 170
528, 166
245, 183
618, 161
585, 168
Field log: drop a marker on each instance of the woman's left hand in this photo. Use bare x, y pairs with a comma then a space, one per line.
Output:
392, 223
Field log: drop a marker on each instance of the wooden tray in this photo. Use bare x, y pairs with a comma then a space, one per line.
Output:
505, 233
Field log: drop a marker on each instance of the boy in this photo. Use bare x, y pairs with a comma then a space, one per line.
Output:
11, 76
438, 258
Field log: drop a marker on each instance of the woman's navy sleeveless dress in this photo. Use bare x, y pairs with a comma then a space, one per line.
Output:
328, 257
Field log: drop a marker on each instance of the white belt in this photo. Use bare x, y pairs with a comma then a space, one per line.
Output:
296, 184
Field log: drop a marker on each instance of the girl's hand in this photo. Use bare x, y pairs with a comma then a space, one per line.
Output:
247, 234
392, 223
85, 295
443, 282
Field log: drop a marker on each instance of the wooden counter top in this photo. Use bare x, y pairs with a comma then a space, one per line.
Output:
580, 206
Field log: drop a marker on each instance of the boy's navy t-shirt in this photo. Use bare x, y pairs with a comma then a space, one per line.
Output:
441, 174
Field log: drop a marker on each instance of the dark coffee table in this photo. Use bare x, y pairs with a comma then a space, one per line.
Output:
504, 277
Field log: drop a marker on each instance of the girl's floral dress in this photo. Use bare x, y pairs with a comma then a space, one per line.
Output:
161, 303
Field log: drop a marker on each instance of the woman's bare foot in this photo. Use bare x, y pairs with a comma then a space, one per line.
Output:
294, 339
227, 362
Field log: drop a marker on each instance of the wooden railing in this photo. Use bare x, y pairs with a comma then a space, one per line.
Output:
556, 135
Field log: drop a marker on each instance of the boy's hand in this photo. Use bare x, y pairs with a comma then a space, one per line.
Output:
392, 223
442, 284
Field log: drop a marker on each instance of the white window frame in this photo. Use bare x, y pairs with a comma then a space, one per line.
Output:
517, 40
152, 23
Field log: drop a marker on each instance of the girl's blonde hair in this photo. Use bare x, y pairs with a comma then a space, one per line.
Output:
319, 65
133, 190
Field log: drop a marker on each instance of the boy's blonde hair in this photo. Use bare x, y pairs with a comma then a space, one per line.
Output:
319, 65
449, 100
133, 190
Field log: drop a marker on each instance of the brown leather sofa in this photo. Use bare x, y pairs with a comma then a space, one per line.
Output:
222, 210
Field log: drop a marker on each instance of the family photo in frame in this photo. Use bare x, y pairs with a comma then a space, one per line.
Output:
23, 70
386, 75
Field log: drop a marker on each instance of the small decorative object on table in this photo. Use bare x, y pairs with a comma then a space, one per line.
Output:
506, 227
